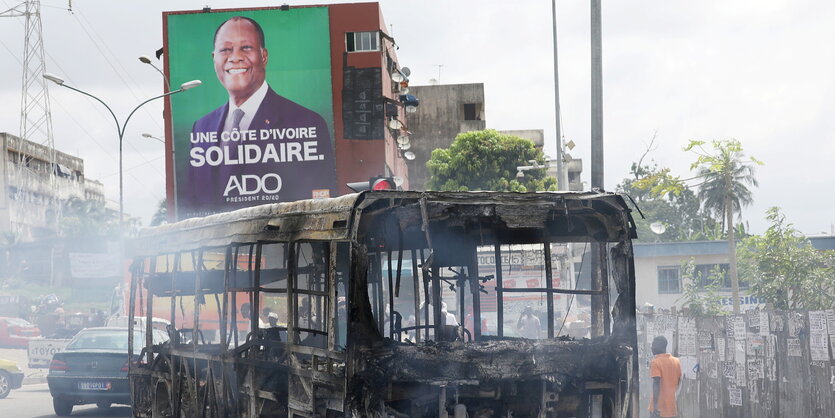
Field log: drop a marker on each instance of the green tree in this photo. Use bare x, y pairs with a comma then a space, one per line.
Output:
488, 160
677, 208
700, 293
726, 176
783, 267
87, 224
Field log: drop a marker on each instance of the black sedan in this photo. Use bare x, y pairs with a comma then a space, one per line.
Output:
93, 368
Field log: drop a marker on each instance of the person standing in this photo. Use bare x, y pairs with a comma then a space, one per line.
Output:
665, 371
528, 324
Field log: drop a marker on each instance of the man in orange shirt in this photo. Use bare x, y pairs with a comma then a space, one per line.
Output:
665, 371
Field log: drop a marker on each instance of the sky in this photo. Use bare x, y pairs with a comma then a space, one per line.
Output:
760, 71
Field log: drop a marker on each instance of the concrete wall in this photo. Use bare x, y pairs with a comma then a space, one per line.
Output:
535, 135
438, 120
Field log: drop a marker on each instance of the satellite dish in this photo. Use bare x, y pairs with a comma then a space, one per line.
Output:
397, 77
395, 124
398, 181
404, 147
411, 109
402, 140
658, 228
409, 155
404, 90
406, 71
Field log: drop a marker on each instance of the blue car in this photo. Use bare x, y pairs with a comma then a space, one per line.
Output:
93, 368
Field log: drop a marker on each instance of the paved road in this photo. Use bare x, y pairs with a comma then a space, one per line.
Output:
34, 401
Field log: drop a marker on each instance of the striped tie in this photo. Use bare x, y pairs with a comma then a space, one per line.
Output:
237, 115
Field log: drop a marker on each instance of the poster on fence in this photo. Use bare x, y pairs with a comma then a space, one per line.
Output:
818, 336
741, 371
739, 327
720, 348
686, 336
755, 369
795, 324
729, 370
793, 347
817, 322
735, 396
777, 323
764, 323
705, 339
830, 320
689, 367
819, 347
755, 345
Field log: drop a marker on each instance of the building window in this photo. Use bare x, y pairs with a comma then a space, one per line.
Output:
669, 280
708, 274
473, 111
362, 41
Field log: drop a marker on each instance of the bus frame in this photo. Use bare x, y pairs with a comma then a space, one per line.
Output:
343, 349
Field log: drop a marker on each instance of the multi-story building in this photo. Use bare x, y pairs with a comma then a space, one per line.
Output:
34, 188
445, 111
35, 182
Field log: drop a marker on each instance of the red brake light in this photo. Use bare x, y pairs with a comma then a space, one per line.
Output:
124, 368
58, 365
383, 184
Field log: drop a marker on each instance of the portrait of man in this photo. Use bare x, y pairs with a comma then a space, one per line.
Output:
257, 147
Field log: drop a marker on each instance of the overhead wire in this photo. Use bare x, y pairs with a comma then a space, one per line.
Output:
97, 109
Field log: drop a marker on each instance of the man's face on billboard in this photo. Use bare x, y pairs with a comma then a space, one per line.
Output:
240, 59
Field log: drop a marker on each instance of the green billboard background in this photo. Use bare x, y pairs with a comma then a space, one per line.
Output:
299, 66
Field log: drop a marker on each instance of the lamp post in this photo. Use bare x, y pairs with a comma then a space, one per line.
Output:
147, 60
147, 135
120, 128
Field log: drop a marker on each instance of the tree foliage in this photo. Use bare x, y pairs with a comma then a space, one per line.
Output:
678, 209
87, 223
488, 160
726, 176
700, 293
783, 267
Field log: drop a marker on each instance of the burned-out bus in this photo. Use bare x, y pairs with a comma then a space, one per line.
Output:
391, 303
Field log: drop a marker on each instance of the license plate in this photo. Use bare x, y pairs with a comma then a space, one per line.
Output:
94, 385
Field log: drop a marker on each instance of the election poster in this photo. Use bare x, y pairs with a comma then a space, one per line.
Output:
260, 127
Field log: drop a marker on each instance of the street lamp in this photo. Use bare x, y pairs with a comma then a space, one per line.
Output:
120, 128
147, 135
147, 60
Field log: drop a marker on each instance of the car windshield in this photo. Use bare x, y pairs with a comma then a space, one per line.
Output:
106, 339
17, 322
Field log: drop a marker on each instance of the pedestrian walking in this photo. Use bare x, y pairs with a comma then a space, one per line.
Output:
665, 371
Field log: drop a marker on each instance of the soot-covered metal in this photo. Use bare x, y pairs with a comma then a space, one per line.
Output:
392, 304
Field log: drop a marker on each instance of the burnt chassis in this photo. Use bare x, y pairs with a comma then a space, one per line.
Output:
377, 376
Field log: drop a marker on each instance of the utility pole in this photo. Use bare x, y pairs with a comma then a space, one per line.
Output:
600, 305
35, 114
562, 178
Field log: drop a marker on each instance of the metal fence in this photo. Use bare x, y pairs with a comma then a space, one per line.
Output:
759, 364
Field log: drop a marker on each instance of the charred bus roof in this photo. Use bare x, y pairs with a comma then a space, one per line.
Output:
570, 216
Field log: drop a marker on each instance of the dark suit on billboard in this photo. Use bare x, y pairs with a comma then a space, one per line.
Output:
205, 185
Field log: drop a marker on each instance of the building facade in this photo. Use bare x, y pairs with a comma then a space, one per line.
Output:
34, 189
445, 111
661, 283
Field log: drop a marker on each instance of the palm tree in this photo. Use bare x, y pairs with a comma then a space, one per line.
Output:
726, 176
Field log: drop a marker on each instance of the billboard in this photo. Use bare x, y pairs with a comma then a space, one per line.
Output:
260, 128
